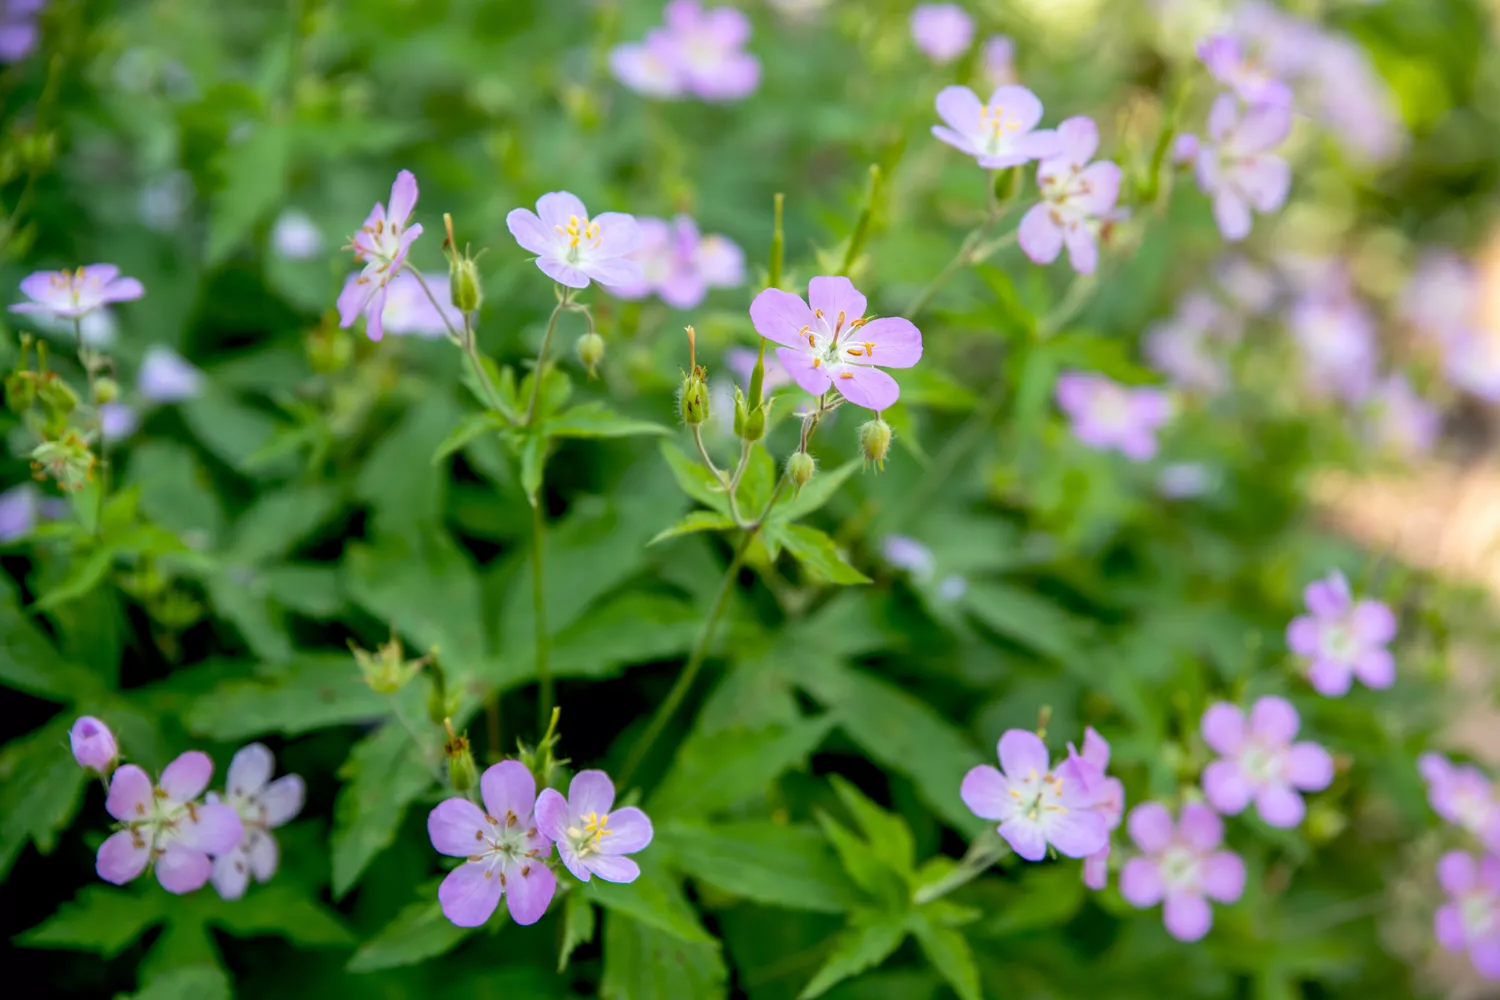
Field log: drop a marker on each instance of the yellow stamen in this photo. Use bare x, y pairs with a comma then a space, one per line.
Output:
817, 362
846, 374
869, 348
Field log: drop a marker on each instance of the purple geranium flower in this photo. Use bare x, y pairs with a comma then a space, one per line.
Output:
1236, 168
166, 376
998, 134
381, 245
1037, 804
998, 61
592, 840
1249, 79
1109, 801
408, 310
262, 805
831, 344
573, 249
19, 509
1260, 761
294, 236
943, 31
1343, 638
503, 851
1336, 335
1183, 347
118, 421
649, 67
907, 553
18, 29
1181, 865
72, 294
94, 746
1405, 424
164, 824
698, 52
1078, 200
1108, 416
681, 266
1441, 297
1463, 796
1470, 920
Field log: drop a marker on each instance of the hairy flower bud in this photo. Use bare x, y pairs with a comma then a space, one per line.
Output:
693, 397
387, 670
106, 390
55, 395
590, 350
800, 468
94, 746
875, 441
462, 774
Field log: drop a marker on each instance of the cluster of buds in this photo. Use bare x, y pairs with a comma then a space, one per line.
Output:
39, 395
68, 460
387, 670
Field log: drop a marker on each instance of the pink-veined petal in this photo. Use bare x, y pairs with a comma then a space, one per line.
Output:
834, 295
375, 314
122, 857
958, 141
1265, 181
352, 300
1329, 596
123, 290
559, 208
799, 365
1262, 128
612, 272
1040, 236
1078, 833
1141, 882
868, 387
530, 232
984, 792
1150, 826
217, 829
780, 317
890, 342
1017, 104
1078, 140
181, 869
470, 894
456, 828
528, 891
509, 792
572, 861
1095, 748
1102, 180
1188, 917
1096, 869
249, 770
629, 831
130, 794
186, 777
614, 869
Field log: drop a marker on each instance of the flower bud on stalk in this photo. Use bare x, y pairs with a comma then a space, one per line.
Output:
693, 397
462, 774
875, 441
463, 274
106, 390
94, 746
590, 350
800, 468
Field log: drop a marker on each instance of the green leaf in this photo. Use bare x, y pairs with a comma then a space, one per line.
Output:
715, 771
633, 627
949, 952
1028, 619
472, 426
282, 909
100, 919
383, 776
254, 173
578, 926
865, 865
816, 493
694, 480
887, 833
311, 693
533, 463
769, 863
397, 479
30, 662
193, 982
1047, 896
231, 430
643, 963
278, 521
175, 491
698, 520
85, 574
757, 483
595, 420
818, 555
865, 943
655, 899
418, 932
40, 787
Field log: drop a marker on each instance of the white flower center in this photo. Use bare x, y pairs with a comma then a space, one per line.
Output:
582, 235
1478, 911
996, 128
1260, 764
589, 833
1339, 642
1038, 798
503, 844
1179, 868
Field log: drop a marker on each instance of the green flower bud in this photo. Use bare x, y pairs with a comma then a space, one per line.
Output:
463, 273
462, 774
693, 397
875, 441
387, 670
20, 391
106, 390
56, 396
590, 350
800, 468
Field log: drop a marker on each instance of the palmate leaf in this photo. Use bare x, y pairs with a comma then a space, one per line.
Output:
949, 952
653, 900
869, 940
191, 982
595, 420
313, 692
773, 864
817, 554
715, 771
418, 932
383, 776
40, 787
642, 962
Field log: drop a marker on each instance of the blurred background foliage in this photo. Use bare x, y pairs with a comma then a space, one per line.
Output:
295, 506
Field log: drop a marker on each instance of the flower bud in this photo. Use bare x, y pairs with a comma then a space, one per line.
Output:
68, 460
800, 468
20, 391
693, 398
590, 350
106, 390
875, 441
94, 746
56, 396
463, 274
462, 774
387, 670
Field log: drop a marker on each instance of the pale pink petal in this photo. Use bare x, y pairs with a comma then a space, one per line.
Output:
1022, 754
984, 792
282, 800
558, 208
263, 853
1309, 767
123, 290
563, 274
1273, 721
352, 300
1373, 622
249, 770
552, 815
618, 234
1223, 117
186, 777
799, 365
1232, 215
890, 343
1078, 139
1485, 955
217, 829
1280, 806
1042, 144
1457, 873
1188, 917
403, 198
130, 794
612, 272
181, 869
1039, 235
508, 791
1103, 180
1328, 597
868, 387
1223, 728
780, 317
1376, 668
1095, 748
958, 106
1226, 787
570, 858
1096, 869
49, 287
834, 295
456, 827
1200, 827
1330, 678
1079, 833
1303, 635
1025, 838
590, 792
614, 869
1264, 127
1265, 181
1018, 103
122, 857
530, 232
470, 894
1448, 927
375, 314
952, 138
528, 891
230, 875
1083, 253
1150, 826
629, 831
1140, 882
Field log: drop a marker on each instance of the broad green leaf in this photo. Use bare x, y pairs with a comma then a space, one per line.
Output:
40, 787
818, 556
397, 480
472, 426
308, 590
533, 464
175, 490
100, 919
712, 772
86, 573
886, 832
817, 492
30, 662
643, 963
233, 431
1028, 619
193, 982
259, 620
280, 908
1046, 896
383, 776
654, 899
866, 865
312, 693
698, 520
757, 483
595, 420
695, 480
949, 952
633, 627
578, 926
867, 941
418, 932
278, 521
769, 863
254, 173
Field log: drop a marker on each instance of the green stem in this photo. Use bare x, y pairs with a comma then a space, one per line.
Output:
541, 356
539, 612
467, 342
87, 362
982, 853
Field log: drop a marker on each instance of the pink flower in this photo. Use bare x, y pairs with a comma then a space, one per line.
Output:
167, 377
166, 825
408, 310
262, 805
1108, 416
1251, 81
1343, 639
1078, 200
1109, 795
1405, 424
1036, 804
1336, 334
1187, 347
73, 294
998, 134
381, 246
943, 31
681, 266
1181, 866
503, 851
831, 344
1463, 796
1236, 167
1260, 761
1470, 920
592, 840
94, 746
698, 52
573, 249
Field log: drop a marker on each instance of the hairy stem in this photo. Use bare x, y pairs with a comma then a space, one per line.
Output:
541, 355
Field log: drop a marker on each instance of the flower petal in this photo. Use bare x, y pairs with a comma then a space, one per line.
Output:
249, 771
528, 891
1376, 668
614, 869
1078, 833
780, 317
834, 295
456, 827
263, 853
558, 208
958, 106
1025, 838
509, 792
1328, 597
1039, 235
230, 875
1448, 927
470, 894
1078, 140
122, 290
1223, 876
618, 234
1018, 104
563, 273
1200, 827
1141, 882
1083, 253
890, 342
984, 792
1223, 728
122, 857
1150, 826
186, 777
130, 794
375, 314
868, 387
612, 272
1096, 869
952, 138
1280, 806
1330, 678
1265, 181
1308, 766
352, 300
1303, 635
552, 815
1103, 188
1188, 917
570, 858
1023, 754
590, 792
181, 869
1232, 214
282, 800
1457, 873
799, 365
1226, 787
527, 227
217, 829
629, 831
1263, 127
403, 198
1373, 622
1095, 748
1273, 721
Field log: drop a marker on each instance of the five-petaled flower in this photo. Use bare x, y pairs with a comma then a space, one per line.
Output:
262, 805
999, 134
1109, 795
1470, 920
381, 245
1037, 804
1250, 79
1181, 864
1108, 416
827, 342
1236, 167
1260, 761
592, 839
1078, 200
1343, 638
74, 294
164, 824
94, 746
680, 265
698, 52
1462, 795
573, 249
943, 31
503, 851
